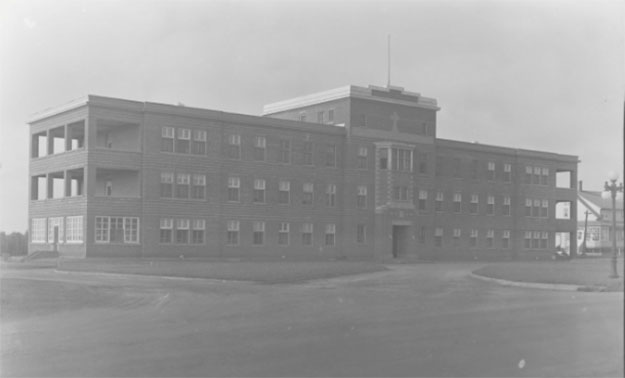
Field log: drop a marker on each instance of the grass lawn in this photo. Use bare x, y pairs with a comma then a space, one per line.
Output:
269, 272
583, 272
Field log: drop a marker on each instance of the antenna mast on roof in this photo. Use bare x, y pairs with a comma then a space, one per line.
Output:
388, 80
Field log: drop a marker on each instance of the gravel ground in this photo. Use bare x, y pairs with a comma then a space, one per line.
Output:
583, 272
268, 272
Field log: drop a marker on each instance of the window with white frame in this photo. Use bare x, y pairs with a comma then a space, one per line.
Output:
507, 172
331, 195
457, 202
234, 183
199, 187
361, 233
284, 192
199, 142
544, 178
330, 234
544, 239
536, 240
490, 205
423, 197
537, 173
528, 174
363, 153
284, 151
307, 153
491, 170
259, 191
283, 234
438, 236
123, 230
528, 207
307, 234
401, 193
258, 229
131, 230
183, 141
505, 239
74, 232
490, 238
166, 230
260, 147
234, 146
544, 210
438, 204
38, 230
536, 208
505, 208
56, 223
473, 207
183, 182
308, 193
331, 155
167, 184
457, 235
101, 229
331, 116
383, 158
197, 234
361, 197
232, 233
402, 159
473, 238
528, 239
167, 139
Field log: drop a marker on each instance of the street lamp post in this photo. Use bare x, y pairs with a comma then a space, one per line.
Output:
611, 191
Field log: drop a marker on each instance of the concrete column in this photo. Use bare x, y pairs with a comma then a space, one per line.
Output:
50, 142
68, 140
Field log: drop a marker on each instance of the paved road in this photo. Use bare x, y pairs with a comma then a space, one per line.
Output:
415, 320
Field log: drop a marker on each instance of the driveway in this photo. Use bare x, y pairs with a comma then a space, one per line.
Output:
414, 320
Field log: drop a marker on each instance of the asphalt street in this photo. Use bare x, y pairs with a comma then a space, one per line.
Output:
414, 320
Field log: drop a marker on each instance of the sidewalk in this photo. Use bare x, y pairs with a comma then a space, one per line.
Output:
579, 274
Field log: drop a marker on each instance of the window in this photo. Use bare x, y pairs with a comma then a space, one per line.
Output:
73, 234
101, 229
234, 183
544, 178
362, 157
507, 172
331, 195
402, 160
283, 234
423, 197
117, 230
361, 233
167, 139
259, 191
183, 181
233, 233
58, 223
320, 116
234, 146
536, 209
473, 238
167, 229
438, 204
490, 205
131, 230
536, 240
490, 238
199, 142
383, 162
528, 239
537, 172
423, 162
505, 208
544, 210
331, 155
199, 187
457, 202
473, 208
400, 193
331, 116
307, 233
330, 234
457, 168
457, 235
361, 197
38, 230
528, 175
260, 146
362, 120
167, 184
284, 192
183, 141
284, 151
258, 229
528, 207
474, 169
302, 117
308, 194
505, 239
199, 227
544, 239
491, 170
307, 155
438, 237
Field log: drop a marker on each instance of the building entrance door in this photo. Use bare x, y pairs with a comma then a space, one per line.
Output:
400, 240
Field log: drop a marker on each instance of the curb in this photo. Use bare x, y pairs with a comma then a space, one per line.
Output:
150, 276
543, 286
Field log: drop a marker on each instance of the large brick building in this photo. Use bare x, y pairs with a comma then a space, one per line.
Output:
354, 172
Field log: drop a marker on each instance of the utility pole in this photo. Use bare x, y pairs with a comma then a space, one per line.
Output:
585, 231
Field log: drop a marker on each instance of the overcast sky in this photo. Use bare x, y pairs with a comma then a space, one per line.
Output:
545, 75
